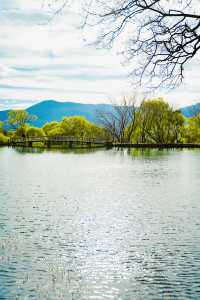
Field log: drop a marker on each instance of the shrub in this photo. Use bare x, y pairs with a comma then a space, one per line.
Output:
34, 132
3, 139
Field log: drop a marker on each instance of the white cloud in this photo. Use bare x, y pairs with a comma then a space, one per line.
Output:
49, 60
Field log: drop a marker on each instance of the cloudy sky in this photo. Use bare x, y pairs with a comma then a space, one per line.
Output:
44, 58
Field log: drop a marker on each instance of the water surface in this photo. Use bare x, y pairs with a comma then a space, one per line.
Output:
101, 224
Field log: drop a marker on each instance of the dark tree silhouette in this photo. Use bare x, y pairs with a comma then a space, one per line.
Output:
120, 121
161, 35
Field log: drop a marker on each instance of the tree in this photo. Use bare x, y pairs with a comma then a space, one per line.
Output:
21, 131
51, 126
34, 132
96, 132
3, 139
1, 126
119, 121
77, 126
177, 126
19, 118
158, 123
161, 36
193, 130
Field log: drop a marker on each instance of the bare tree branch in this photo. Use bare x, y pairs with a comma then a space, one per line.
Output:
161, 36
119, 122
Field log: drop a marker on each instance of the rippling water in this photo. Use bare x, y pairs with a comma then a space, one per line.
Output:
99, 225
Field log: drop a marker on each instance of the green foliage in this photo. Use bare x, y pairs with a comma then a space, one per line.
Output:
10, 134
1, 126
48, 127
79, 127
154, 122
34, 132
18, 118
3, 139
56, 131
53, 129
193, 130
75, 126
158, 123
2, 130
96, 132
21, 131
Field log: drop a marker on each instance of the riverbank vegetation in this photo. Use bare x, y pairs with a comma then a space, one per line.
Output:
154, 121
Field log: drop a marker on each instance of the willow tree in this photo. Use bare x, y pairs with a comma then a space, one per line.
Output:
193, 129
158, 123
80, 127
35, 132
18, 119
1, 126
52, 128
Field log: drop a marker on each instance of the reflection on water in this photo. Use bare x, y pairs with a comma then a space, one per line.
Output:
150, 153
133, 152
108, 224
36, 150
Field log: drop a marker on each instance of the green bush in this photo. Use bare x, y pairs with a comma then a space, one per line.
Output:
34, 132
48, 127
3, 139
21, 131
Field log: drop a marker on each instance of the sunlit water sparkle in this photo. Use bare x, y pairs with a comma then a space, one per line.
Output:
102, 224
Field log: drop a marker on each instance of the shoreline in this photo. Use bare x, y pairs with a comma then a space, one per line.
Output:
158, 146
110, 145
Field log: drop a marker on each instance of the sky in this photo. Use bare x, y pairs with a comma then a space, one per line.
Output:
45, 57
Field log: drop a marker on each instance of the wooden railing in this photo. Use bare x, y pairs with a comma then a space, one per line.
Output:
48, 140
57, 139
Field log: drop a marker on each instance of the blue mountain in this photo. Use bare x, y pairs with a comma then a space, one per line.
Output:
50, 110
191, 111
4, 115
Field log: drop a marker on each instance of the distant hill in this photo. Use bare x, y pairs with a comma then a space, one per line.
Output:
190, 111
4, 115
51, 110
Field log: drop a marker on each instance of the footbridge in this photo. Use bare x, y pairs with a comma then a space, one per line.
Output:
66, 141
49, 141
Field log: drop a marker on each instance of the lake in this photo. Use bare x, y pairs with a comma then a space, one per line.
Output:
99, 224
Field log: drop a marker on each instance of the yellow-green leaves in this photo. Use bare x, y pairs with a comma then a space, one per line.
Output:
18, 118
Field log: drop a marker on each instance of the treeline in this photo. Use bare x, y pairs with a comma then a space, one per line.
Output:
19, 123
154, 121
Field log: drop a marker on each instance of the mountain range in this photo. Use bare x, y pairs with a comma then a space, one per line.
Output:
191, 111
51, 110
